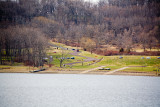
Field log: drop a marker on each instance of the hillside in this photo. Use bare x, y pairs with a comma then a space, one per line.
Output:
116, 27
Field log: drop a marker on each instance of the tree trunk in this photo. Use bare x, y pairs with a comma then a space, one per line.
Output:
144, 49
61, 63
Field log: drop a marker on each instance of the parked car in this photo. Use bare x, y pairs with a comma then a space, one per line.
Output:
77, 50
142, 57
72, 57
158, 57
148, 57
120, 57
108, 68
73, 49
68, 58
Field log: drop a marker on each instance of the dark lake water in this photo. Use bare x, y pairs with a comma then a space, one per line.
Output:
54, 90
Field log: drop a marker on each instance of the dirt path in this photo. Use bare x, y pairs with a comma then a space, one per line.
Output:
83, 72
111, 72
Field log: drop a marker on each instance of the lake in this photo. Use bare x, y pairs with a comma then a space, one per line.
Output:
69, 90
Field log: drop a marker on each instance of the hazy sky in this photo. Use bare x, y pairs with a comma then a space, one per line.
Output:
92, 0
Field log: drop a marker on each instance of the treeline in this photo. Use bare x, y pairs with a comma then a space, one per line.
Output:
22, 44
120, 23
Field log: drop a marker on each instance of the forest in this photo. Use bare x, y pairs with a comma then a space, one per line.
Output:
26, 26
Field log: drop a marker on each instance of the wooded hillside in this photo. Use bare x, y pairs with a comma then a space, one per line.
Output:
26, 25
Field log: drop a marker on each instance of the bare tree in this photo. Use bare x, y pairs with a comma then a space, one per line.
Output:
62, 56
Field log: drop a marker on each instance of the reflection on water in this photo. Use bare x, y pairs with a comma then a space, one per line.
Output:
51, 90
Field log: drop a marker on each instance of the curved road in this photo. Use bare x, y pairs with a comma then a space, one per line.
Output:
88, 59
75, 53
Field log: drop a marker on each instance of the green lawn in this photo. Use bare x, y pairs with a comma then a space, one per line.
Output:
130, 61
88, 54
58, 55
112, 62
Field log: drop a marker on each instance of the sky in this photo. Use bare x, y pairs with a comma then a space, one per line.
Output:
92, 0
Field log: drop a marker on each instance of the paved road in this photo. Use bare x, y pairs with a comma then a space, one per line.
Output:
75, 53
88, 59
111, 72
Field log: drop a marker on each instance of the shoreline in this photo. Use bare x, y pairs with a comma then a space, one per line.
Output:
49, 71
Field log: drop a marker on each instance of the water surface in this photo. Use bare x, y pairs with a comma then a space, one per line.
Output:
54, 90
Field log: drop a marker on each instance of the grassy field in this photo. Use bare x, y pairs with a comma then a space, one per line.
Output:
112, 62
141, 69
